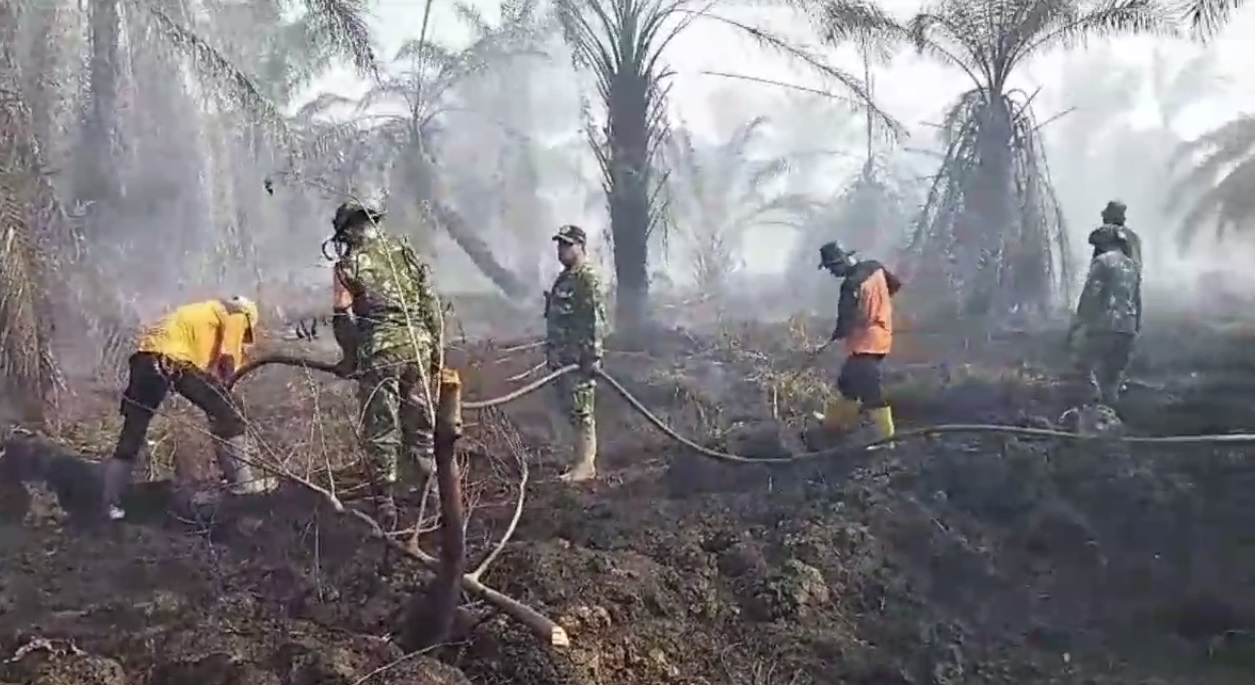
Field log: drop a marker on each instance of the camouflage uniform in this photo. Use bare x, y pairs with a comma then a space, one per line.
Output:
575, 318
399, 332
1107, 321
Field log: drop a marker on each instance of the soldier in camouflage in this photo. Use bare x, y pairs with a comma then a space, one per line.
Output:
389, 325
1108, 316
575, 318
1113, 216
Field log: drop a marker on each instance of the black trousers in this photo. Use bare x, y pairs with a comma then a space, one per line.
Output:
149, 381
860, 380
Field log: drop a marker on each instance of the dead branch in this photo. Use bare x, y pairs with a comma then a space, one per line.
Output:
452, 514
540, 626
482, 567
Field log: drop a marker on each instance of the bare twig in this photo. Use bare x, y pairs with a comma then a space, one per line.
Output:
482, 567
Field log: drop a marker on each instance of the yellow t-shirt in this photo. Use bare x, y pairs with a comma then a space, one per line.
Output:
198, 334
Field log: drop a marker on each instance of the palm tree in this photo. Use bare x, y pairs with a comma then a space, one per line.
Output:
338, 25
622, 43
1220, 183
991, 230
422, 91
28, 210
871, 212
720, 193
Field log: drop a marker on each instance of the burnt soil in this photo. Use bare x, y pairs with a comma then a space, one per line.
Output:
968, 559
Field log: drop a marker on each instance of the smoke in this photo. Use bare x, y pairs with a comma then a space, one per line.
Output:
183, 213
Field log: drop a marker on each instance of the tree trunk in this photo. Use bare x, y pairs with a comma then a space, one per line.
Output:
97, 181
990, 209
45, 60
629, 198
26, 200
480, 253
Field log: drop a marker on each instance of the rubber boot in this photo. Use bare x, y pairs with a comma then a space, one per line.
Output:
232, 455
882, 421
585, 468
115, 481
840, 415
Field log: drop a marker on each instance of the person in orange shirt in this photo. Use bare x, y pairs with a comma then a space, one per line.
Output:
193, 350
865, 329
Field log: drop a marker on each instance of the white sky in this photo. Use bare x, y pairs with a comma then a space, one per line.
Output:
911, 88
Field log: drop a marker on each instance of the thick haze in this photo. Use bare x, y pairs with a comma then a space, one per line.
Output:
1114, 143
915, 90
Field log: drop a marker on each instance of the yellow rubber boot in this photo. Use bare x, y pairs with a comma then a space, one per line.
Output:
840, 415
882, 419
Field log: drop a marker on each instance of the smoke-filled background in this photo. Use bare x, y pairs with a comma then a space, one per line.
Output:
162, 150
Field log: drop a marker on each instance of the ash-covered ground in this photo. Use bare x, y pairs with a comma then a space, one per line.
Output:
958, 559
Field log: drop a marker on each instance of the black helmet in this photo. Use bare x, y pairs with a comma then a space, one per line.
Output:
354, 212
1114, 213
831, 254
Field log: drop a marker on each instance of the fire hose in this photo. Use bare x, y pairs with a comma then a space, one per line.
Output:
661, 425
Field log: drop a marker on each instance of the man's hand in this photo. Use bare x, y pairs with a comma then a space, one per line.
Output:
819, 350
224, 368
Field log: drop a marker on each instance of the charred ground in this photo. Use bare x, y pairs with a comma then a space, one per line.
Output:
982, 559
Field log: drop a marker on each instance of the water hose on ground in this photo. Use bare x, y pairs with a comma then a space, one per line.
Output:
325, 367
903, 436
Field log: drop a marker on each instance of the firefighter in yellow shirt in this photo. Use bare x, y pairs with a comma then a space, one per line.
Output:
193, 350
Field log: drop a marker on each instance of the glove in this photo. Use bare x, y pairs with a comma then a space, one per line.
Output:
345, 331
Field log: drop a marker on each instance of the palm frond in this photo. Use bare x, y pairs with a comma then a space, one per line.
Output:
238, 87
1069, 26
813, 63
342, 24
1205, 18
1218, 186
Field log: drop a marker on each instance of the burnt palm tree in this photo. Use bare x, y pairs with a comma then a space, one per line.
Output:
1218, 186
991, 230
622, 44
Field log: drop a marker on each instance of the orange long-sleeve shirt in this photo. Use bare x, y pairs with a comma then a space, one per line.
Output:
865, 310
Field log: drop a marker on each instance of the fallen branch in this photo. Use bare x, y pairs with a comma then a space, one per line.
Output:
450, 502
540, 626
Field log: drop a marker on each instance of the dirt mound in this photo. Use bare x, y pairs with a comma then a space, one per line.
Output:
957, 560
